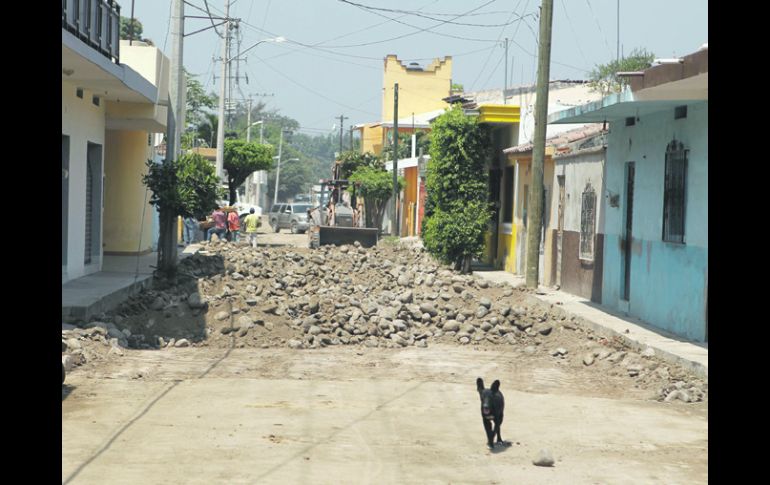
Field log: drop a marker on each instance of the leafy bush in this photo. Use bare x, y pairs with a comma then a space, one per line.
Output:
184, 187
456, 210
241, 159
375, 185
457, 236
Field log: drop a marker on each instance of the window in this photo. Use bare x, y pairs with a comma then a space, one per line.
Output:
680, 112
508, 198
95, 100
630, 121
587, 223
79, 93
524, 205
675, 192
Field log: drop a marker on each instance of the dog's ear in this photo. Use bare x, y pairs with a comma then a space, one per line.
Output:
479, 384
495, 386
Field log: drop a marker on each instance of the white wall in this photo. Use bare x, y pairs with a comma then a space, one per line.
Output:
578, 170
83, 122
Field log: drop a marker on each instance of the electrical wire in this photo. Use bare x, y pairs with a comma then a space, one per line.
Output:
498, 40
206, 3
418, 14
600, 27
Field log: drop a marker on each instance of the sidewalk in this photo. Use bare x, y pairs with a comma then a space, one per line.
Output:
633, 331
120, 278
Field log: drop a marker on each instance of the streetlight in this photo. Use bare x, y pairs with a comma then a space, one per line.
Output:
221, 132
278, 174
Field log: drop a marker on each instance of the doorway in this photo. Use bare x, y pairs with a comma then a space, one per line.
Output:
65, 197
559, 229
627, 232
93, 209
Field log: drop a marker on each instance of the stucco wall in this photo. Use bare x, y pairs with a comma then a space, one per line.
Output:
668, 280
418, 91
83, 122
125, 229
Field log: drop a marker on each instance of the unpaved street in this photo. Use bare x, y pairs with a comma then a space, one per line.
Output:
359, 415
343, 365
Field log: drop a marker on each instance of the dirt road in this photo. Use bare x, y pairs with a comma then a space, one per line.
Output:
359, 415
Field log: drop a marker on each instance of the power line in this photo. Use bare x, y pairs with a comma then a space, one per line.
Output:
600, 27
418, 14
206, 3
577, 42
498, 40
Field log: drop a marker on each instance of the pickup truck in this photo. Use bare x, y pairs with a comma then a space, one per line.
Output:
289, 216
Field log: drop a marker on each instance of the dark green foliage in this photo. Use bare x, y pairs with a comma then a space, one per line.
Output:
352, 161
457, 210
185, 187
375, 185
405, 146
241, 159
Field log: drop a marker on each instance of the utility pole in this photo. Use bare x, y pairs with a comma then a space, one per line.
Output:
617, 51
394, 220
342, 119
222, 92
278, 170
167, 251
351, 137
505, 86
535, 214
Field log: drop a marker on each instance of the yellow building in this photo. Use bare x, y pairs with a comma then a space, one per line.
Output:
420, 90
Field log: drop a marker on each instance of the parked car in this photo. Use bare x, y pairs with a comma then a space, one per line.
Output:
289, 216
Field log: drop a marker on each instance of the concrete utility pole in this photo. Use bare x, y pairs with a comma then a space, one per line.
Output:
278, 170
394, 220
342, 119
167, 251
535, 214
222, 93
505, 86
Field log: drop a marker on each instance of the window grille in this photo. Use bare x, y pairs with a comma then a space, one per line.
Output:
588, 223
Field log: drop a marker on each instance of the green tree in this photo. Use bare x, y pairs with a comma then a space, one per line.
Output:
375, 185
241, 159
125, 30
198, 103
457, 211
184, 187
603, 78
353, 160
296, 178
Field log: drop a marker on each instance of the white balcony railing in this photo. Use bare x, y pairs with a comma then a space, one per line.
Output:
95, 22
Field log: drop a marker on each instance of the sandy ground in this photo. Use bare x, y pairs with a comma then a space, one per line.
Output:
358, 415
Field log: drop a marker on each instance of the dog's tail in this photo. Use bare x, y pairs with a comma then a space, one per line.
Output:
480, 384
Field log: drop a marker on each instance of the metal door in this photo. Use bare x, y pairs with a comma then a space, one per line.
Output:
560, 229
628, 233
89, 211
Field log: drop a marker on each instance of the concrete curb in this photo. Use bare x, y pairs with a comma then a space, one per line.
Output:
666, 346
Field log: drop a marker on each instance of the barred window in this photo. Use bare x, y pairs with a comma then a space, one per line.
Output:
588, 223
675, 192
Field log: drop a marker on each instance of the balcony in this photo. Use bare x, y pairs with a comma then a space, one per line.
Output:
96, 23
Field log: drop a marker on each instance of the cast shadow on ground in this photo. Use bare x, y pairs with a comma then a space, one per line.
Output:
66, 390
500, 447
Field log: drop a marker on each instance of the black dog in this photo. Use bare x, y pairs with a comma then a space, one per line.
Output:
492, 407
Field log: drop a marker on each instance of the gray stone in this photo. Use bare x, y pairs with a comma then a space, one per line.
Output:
403, 280
603, 354
421, 343
649, 352
544, 329
244, 321
157, 304
406, 297
429, 308
268, 325
485, 302
486, 326
182, 343
481, 312
634, 370
115, 333
458, 288
222, 315
544, 458
530, 349
451, 326
464, 340
314, 330
482, 283
195, 300
678, 394
68, 361
295, 344
588, 359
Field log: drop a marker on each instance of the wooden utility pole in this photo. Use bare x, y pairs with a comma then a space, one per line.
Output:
535, 213
394, 219
222, 95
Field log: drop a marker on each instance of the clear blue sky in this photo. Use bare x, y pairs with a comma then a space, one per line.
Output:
331, 77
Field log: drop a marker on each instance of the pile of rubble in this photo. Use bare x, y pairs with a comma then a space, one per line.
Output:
385, 296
